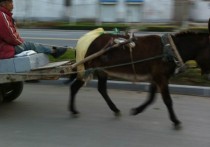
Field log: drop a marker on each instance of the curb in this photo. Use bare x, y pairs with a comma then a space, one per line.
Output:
144, 87
174, 89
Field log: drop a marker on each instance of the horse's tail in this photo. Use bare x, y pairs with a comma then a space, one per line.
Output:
209, 25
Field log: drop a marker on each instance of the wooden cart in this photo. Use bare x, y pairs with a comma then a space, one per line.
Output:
11, 84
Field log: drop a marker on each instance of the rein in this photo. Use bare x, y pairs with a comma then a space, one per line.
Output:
170, 47
133, 66
134, 62
91, 70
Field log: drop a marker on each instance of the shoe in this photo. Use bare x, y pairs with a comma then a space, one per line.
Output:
59, 51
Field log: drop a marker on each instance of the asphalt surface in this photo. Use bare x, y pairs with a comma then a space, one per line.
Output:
39, 118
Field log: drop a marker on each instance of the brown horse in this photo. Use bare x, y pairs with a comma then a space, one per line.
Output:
146, 61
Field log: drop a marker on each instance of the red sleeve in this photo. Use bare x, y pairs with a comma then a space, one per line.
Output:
8, 31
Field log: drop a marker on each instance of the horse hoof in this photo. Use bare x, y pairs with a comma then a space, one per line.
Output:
178, 126
75, 114
134, 111
118, 114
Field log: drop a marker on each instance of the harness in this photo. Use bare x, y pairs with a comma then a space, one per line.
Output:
130, 45
172, 53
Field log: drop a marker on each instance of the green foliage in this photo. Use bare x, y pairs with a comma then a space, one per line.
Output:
90, 25
69, 55
160, 28
191, 76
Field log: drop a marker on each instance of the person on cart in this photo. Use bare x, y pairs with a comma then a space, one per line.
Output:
10, 41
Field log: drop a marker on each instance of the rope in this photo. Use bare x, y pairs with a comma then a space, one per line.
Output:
123, 64
133, 66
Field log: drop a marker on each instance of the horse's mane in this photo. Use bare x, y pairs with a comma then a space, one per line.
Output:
190, 33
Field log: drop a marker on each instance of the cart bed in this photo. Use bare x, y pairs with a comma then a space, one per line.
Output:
51, 71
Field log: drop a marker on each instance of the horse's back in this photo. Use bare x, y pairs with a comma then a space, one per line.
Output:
150, 44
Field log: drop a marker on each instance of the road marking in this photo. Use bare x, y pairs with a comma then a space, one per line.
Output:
43, 38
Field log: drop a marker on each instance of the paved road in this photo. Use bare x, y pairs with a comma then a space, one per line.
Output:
52, 37
39, 118
59, 37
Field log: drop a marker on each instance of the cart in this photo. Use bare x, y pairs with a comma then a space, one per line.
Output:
11, 84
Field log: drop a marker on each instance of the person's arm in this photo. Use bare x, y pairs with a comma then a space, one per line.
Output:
8, 32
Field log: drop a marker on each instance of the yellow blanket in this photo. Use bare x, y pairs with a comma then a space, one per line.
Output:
82, 46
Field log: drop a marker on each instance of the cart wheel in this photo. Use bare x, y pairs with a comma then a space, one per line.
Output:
11, 91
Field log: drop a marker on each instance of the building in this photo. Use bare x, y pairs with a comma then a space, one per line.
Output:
113, 10
39, 9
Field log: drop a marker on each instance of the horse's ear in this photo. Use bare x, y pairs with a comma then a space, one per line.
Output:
209, 25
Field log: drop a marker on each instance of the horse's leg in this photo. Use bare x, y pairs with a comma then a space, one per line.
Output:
150, 100
102, 88
76, 85
168, 102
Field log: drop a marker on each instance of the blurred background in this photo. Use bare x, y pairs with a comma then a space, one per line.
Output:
179, 12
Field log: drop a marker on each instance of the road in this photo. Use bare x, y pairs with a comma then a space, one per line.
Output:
39, 118
59, 37
52, 37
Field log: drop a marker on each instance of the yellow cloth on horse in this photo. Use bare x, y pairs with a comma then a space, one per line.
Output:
83, 44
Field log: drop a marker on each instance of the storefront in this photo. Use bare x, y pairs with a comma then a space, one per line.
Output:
39, 10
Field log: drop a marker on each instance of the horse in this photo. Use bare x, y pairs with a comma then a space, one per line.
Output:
146, 61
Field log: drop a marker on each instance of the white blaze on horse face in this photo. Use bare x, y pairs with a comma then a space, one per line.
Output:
128, 76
